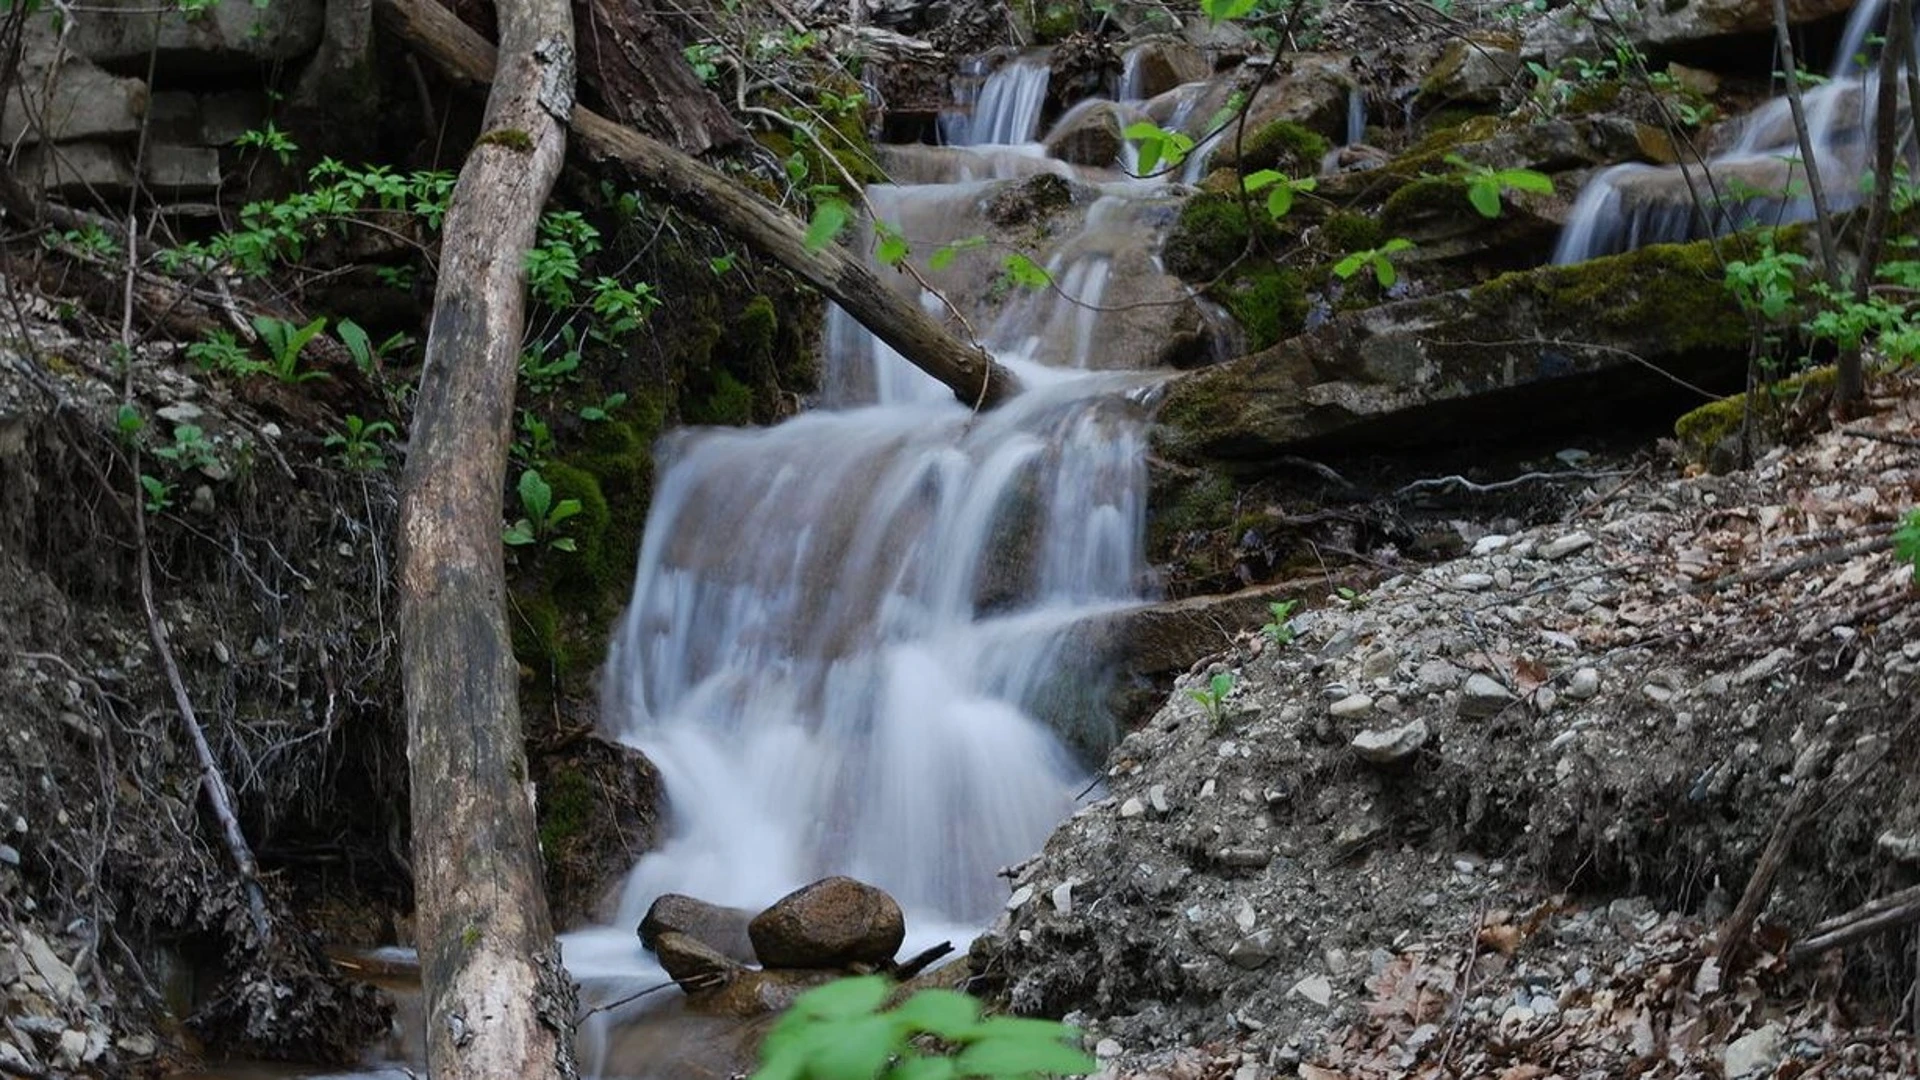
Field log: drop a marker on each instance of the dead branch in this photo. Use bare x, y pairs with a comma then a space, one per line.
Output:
1876, 916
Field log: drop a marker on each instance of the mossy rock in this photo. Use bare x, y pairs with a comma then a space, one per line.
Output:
1202, 502
1288, 147
1710, 434
579, 578
1425, 199
533, 625
1213, 231
1052, 20
1269, 303
565, 808
1676, 291
1344, 233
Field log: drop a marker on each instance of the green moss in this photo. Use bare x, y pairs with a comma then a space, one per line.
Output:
1203, 503
1707, 433
1675, 290
565, 810
1591, 97
1052, 20
511, 138
534, 625
1344, 232
755, 333
1283, 145
730, 403
1212, 231
1428, 196
1269, 303
580, 578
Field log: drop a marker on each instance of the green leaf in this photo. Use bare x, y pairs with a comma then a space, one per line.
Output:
536, 495
828, 219
1484, 194
128, 421
1264, 178
1383, 271
565, 543
1225, 10
1527, 180
357, 343
1279, 201
893, 248
860, 1050
1021, 1058
1143, 129
943, 258
1221, 684
1026, 273
843, 998
1350, 265
923, 1068
1398, 243
518, 534
946, 1013
1150, 156
566, 509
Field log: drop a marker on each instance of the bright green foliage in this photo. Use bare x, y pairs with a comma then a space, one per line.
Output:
1906, 542
356, 447
1224, 10
128, 423
840, 1032
534, 445
543, 516
366, 355
704, 58
829, 217
1280, 629
1280, 190
159, 493
191, 449
891, 246
88, 242
221, 351
1158, 147
1380, 258
1485, 184
1025, 273
270, 139
944, 255
598, 414
1214, 697
284, 342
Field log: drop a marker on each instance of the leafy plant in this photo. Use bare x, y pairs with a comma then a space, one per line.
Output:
1767, 283
87, 242
704, 58
1157, 145
543, 516
1906, 542
1024, 272
535, 444
1214, 697
191, 449
594, 414
128, 423
284, 342
221, 351
1280, 190
1280, 629
270, 139
366, 355
1380, 258
355, 446
1351, 598
1486, 184
159, 493
543, 375
830, 216
841, 1031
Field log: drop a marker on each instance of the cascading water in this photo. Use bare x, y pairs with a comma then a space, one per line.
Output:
848, 648
1758, 179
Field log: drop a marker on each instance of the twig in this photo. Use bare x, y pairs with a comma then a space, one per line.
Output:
1913, 444
1465, 484
1611, 493
1733, 933
1466, 982
628, 1000
921, 961
1876, 916
1794, 566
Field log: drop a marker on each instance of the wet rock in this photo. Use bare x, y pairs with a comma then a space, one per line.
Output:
722, 929
71, 1049
1393, 745
829, 924
1474, 69
1482, 696
693, 963
17, 1061
1088, 135
1660, 26
1155, 67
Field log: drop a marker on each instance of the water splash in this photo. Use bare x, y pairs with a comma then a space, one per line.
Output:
1008, 108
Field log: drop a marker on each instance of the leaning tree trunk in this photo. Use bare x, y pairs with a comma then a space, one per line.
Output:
966, 370
498, 1002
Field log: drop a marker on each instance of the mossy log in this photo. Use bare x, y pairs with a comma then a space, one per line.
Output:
967, 370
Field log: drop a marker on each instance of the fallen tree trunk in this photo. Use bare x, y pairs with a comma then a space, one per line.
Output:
498, 1002
967, 370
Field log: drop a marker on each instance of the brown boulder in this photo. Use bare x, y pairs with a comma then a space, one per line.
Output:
722, 929
831, 923
693, 963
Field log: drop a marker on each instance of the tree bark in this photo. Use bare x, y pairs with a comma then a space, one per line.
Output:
967, 370
498, 1002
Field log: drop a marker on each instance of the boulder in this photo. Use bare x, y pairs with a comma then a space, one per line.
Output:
722, 929
831, 923
1152, 68
754, 993
63, 99
231, 35
77, 170
692, 963
1502, 359
1475, 69
1661, 26
1089, 134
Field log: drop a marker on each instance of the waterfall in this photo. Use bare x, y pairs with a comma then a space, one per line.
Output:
1008, 109
848, 648
1757, 179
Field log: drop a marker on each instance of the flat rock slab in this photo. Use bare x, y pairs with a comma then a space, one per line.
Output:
831, 923
722, 929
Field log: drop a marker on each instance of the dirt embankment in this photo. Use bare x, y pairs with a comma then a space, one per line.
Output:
1491, 817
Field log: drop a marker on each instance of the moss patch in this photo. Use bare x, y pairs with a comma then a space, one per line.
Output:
1283, 145
1427, 197
566, 806
1710, 434
1344, 233
1269, 303
1671, 290
1212, 231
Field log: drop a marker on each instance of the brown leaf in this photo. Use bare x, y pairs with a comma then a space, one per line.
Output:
1315, 1072
1503, 938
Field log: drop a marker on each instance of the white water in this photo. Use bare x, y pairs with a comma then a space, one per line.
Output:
1008, 109
1758, 179
847, 648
